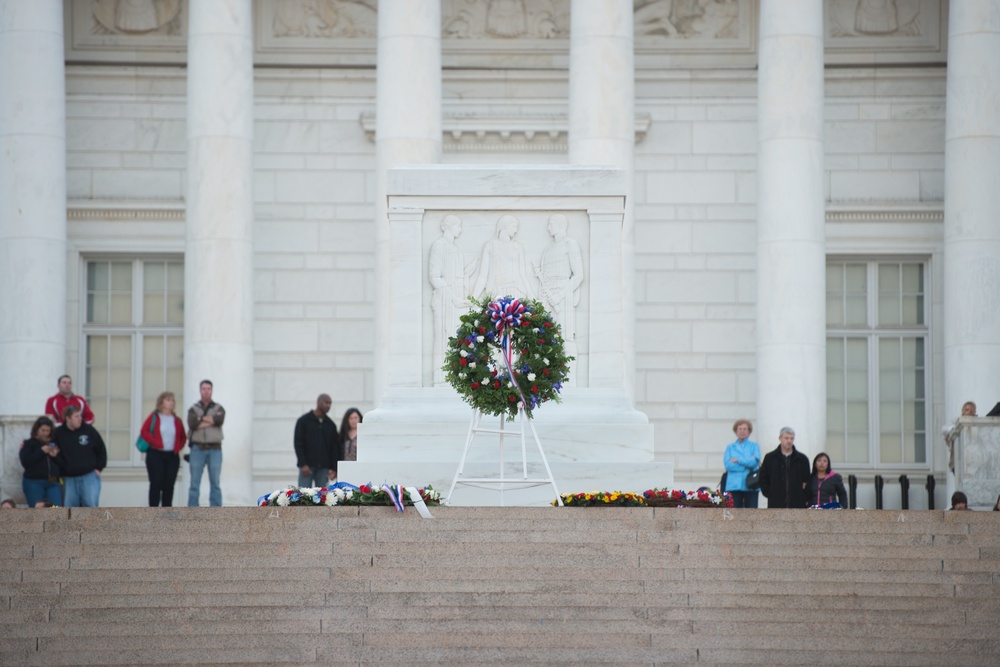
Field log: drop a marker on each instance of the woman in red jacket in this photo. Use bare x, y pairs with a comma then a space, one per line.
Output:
164, 431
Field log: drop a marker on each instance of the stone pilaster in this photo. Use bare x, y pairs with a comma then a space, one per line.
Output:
602, 127
972, 207
791, 254
407, 127
218, 317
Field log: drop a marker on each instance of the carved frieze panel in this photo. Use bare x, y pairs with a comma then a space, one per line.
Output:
515, 34
505, 19
535, 254
136, 17
885, 31
319, 19
133, 30
690, 21
695, 32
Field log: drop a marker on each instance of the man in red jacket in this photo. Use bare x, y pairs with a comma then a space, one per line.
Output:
56, 404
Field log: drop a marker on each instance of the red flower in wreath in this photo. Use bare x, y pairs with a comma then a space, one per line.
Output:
475, 385
511, 399
534, 389
463, 362
545, 371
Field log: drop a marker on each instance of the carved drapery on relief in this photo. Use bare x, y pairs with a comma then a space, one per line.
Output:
504, 19
503, 270
324, 18
136, 17
449, 276
692, 19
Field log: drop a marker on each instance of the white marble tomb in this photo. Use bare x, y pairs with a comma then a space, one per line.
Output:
442, 219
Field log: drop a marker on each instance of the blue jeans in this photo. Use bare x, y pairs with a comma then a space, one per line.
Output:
319, 477
36, 489
199, 457
83, 491
745, 499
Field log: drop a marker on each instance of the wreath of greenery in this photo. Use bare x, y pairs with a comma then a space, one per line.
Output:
475, 365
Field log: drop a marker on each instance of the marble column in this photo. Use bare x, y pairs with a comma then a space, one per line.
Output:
602, 126
218, 261
32, 204
972, 207
791, 253
407, 128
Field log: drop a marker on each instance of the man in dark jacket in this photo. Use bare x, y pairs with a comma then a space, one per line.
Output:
784, 473
82, 456
316, 445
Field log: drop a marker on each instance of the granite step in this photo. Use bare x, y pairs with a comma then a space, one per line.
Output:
480, 585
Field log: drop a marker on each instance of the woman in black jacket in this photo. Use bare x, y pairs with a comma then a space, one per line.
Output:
41, 472
825, 485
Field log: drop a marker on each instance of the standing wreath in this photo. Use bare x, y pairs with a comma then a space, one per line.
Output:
506, 354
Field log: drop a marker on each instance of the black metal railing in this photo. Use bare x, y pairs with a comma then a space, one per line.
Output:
879, 482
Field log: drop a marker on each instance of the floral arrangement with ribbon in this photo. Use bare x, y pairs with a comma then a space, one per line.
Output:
649, 498
342, 493
507, 354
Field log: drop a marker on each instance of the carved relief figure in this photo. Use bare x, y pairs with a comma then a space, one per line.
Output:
136, 17
506, 18
876, 17
560, 275
448, 276
502, 269
654, 18
688, 18
324, 18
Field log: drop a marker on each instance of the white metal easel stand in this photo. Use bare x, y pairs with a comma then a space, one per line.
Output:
503, 483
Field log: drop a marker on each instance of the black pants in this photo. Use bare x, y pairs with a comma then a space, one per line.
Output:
162, 469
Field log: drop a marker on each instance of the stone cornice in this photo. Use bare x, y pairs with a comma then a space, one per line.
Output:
500, 133
905, 212
115, 211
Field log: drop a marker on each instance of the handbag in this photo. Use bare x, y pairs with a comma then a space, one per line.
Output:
753, 479
140, 443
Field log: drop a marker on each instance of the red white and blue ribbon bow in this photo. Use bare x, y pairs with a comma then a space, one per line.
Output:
506, 313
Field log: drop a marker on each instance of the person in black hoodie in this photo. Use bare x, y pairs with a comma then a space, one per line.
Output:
784, 473
82, 457
41, 471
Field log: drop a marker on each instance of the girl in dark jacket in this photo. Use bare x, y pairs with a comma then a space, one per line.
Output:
41, 472
825, 485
